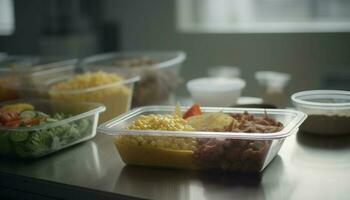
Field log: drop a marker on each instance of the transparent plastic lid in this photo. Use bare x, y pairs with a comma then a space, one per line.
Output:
323, 99
162, 59
81, 110
91, 89
289, 118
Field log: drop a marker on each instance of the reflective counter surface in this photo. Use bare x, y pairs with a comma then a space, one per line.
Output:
307, 167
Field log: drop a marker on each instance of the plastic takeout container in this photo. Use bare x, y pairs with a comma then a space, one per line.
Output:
159, 78
216, 91
116, 96
9, 67
14, 62
224, 71
182, 149
29, 81
328, 110
40, 140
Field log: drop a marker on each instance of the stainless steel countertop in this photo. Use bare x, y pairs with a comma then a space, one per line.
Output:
307, 167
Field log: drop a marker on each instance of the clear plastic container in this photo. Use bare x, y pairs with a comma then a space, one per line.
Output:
184, 149
9, 66
12, 62
224, 71
328, 110
274, 85
159, 72
40, 140
116, 96
27, 81
216, 91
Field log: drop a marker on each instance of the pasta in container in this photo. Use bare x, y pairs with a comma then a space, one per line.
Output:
109, 89
20, 78
158, 71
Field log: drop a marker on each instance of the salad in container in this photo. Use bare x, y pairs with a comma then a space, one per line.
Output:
34, 128
25, 78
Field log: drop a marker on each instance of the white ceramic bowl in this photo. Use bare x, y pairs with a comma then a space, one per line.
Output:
216, 91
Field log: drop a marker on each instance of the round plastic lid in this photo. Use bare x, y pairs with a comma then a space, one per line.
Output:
323, 98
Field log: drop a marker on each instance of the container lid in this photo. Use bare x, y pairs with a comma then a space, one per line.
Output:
15, 63
162, 59
324, 99
32, 66
85, 109
291, 120
89, 89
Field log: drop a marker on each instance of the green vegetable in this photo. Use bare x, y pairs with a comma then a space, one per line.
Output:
28, 114
40, 142
51, 120
83, 125
5, 144
41, 114
19, 136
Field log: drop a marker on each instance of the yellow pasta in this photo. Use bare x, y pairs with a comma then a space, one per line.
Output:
98, 87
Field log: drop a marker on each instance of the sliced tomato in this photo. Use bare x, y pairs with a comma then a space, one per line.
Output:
8, 117
31, 122
195, 109
13, 123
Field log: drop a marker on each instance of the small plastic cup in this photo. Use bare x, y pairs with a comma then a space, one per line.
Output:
224, 71
216, 91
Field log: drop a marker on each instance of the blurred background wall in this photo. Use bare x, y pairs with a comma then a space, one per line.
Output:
315, 60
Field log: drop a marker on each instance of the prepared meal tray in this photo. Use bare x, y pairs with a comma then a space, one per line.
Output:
9, 75
16, 61
207, 138
110, 89
159, 72
26, 80
34, 128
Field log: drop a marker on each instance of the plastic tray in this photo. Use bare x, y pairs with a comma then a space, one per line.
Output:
243, 151
26, 81
158, 80
116, 97
328, 110
41, 140
9, 74
10, 63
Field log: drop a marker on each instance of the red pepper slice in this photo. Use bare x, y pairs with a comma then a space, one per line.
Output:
14, 123
31, 122
195, 109
8, 116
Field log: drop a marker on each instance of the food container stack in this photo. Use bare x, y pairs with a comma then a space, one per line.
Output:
44, 129
158, 71
208, 138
